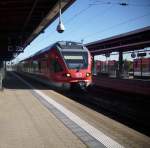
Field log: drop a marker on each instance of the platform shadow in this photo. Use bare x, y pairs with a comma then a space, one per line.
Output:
12, 82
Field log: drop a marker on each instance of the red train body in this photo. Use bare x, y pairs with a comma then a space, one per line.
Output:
61, 63
139, 68
142, 67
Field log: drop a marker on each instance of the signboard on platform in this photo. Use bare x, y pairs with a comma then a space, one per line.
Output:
142, 54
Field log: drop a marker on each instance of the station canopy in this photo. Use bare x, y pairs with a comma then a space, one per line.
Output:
23, 20
130, 41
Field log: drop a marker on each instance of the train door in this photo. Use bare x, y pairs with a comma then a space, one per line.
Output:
55, 68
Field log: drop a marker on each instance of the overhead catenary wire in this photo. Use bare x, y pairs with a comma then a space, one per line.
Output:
78, 13
102, 2
103, 13
109, 3
89, 6
116, 25
119, 3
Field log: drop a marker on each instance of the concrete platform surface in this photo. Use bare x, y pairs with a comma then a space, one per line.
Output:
25, 123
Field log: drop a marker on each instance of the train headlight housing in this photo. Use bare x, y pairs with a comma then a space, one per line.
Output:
88, 74
68, 75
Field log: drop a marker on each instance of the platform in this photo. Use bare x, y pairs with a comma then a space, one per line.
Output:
29, 121
135, 86
25, 123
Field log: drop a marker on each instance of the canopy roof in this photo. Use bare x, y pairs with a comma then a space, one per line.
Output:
22, 20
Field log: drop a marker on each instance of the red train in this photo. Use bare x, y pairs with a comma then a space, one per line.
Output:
138, 68
142, 67
64, 63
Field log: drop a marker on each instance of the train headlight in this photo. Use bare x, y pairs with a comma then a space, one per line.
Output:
88, 74
68, 75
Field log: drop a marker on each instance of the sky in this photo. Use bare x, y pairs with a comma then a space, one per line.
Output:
92, 20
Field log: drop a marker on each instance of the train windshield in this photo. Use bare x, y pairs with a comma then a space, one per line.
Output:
76, 60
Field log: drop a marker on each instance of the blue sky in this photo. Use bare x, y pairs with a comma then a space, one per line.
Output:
102, 19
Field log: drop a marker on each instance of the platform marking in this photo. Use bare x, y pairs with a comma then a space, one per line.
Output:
95, 133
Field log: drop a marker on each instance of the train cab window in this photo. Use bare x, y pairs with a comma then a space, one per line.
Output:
55, 66
76, 60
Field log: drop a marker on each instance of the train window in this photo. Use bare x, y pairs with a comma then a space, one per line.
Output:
76, 60
39, 66
35, 66
55, 66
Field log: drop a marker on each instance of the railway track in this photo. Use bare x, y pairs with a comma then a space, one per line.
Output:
129, 109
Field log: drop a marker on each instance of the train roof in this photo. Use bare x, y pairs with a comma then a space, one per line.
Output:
62, 45
39, 52
69, 45
43, 50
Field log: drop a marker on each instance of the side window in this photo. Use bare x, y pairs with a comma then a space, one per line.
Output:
55, 66
43, 64
35, 66
39, 66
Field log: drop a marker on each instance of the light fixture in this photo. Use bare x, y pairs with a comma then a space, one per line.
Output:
68, 75
88, 74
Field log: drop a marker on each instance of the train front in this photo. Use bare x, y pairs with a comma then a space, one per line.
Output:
77, 60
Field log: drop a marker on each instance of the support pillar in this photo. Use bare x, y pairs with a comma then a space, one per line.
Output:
4, 76
2, 73
141, 67
120, 64
93, 64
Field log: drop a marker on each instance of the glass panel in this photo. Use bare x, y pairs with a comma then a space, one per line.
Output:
70, 45
76, 60
55, 66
